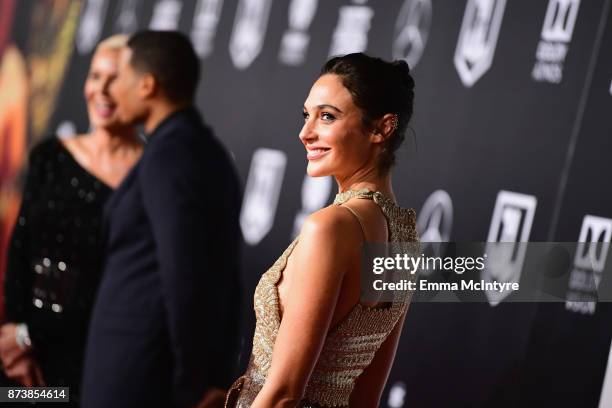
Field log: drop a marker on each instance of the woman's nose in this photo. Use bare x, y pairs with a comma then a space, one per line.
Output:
307, 132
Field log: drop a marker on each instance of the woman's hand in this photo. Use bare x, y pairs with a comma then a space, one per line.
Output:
26, 372
19, 364
10, 351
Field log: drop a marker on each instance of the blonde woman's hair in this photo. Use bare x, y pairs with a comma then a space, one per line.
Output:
114, 42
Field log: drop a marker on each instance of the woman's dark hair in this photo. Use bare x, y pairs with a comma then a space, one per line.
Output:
378, 87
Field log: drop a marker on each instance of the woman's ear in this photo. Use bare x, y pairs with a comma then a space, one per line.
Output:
389, 124
377, 136
384, 128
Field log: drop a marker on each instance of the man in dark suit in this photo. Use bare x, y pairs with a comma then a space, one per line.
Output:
164, 327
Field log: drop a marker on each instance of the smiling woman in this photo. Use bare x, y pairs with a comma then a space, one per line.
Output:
112, 147
315, 343
56, 251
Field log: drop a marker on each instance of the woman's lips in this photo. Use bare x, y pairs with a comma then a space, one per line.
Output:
104, 110
316, 153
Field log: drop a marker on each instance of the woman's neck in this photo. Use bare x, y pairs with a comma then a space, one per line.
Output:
371, 180
109, 144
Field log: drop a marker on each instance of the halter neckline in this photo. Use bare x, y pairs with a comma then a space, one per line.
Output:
344, 196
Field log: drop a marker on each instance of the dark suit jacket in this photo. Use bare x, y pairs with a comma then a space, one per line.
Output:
164, 326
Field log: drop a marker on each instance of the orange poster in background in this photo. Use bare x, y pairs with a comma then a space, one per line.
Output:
13, 131
29, 86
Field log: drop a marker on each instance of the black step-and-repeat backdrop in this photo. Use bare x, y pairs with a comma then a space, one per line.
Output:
511, 142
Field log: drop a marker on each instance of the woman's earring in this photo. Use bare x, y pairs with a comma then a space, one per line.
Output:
394, 123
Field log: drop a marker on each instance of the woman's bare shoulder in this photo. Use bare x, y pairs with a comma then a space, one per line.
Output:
332, 224
329, 240
333, 218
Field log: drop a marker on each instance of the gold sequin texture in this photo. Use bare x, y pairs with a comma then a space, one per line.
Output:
349, 347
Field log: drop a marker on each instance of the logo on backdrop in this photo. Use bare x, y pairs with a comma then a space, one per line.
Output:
412, 30
126, 17
166, 15
511, 223
434, 224
351, 33
478, 38
589, 264
315, 194
204, 28
261, 194
556, 34
397, 395
294, 44
90, 25
249, 31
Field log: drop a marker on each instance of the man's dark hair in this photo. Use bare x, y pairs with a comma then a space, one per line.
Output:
170, 58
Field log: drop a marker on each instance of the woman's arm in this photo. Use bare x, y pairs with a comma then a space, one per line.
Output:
329, 239
371, 383
18, 278
18, 361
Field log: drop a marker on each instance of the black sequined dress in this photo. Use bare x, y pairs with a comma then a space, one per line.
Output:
55, 260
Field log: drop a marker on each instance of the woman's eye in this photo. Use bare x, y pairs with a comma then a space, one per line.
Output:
327, 116
305, 115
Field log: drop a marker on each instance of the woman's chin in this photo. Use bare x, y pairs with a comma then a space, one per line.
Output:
314, 170
102, 122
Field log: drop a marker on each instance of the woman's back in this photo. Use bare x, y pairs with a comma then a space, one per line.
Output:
355, 331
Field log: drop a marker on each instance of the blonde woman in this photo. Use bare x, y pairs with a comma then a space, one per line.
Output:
56, 249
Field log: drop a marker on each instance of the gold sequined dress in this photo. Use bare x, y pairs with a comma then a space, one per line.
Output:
349, 347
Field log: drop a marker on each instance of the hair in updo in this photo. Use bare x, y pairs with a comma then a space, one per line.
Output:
378, 87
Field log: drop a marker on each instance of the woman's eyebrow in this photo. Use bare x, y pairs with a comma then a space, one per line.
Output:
324, 106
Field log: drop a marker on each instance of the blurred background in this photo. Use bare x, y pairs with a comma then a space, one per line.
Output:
510, 141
